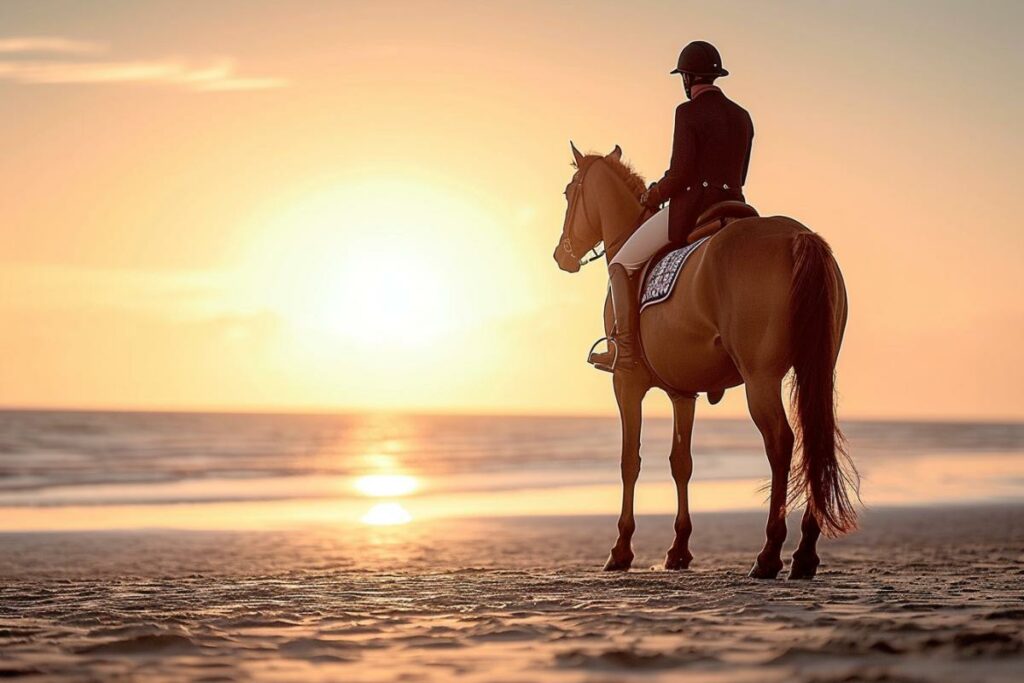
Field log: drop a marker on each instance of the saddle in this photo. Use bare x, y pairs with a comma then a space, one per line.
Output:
717, 216
659, 275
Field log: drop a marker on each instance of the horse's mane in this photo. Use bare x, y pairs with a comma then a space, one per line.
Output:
634, 181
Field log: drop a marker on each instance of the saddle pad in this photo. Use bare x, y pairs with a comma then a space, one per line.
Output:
662, 276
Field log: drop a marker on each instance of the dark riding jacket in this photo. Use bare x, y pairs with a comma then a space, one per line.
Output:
710, 155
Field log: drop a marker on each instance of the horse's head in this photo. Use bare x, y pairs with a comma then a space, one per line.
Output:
581, 229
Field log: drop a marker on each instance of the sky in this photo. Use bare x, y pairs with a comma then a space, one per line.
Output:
255, 205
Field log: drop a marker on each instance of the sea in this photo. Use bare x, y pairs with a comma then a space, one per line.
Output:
78, 470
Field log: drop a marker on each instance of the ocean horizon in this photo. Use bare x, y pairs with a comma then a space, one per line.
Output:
94, 470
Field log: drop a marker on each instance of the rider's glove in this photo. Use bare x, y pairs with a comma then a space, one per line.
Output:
651, 198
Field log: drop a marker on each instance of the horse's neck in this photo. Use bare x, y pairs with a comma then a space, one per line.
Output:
620, 212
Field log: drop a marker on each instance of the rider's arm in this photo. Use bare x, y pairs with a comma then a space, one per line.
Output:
683, 166
746, 162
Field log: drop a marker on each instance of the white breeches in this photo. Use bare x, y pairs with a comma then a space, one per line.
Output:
641, 245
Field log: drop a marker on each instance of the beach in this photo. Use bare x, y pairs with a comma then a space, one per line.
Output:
212, 547
298, 322
918, 595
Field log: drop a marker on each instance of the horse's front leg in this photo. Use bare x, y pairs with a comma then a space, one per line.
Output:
629, 396
681, 462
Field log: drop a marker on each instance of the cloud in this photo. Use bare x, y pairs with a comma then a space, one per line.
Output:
53, 44
219, 75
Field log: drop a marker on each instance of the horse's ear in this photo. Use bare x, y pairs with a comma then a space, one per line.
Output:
577, 155
616, 154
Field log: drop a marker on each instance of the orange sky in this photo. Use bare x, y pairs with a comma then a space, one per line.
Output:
194, 195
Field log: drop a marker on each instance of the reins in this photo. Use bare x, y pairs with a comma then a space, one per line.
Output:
593, 255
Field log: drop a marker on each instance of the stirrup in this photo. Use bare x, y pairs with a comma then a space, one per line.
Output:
613, 346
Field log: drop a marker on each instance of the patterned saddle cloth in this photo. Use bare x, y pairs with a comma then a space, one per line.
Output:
660, 280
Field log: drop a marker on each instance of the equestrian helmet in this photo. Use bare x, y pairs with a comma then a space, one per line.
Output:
700, 58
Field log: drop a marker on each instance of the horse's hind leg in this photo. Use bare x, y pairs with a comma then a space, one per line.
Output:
764, 399
630, 397
681, 461
805, 559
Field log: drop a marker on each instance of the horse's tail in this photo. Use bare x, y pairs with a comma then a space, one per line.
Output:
825, 472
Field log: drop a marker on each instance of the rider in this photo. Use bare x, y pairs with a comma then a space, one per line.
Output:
710, 155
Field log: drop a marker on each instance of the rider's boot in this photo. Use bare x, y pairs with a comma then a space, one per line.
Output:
623, 353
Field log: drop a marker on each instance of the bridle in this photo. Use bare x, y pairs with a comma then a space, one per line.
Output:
570, 220
599, 249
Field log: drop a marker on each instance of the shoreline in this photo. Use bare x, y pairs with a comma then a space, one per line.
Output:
733, 532
986, 419
940, 481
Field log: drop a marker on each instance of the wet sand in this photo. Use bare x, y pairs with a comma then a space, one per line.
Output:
917, 595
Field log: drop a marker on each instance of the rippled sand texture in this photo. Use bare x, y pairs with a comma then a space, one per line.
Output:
917, 596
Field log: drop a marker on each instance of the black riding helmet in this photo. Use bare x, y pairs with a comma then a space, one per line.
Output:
700, 58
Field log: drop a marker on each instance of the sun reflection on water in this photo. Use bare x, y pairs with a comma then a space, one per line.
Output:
386, 514
386, 485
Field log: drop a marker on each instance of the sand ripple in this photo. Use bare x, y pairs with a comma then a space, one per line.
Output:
892, 604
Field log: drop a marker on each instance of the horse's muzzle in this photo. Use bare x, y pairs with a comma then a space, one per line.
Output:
565, 260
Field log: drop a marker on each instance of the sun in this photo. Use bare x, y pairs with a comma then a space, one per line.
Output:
369, 289
385, 294
375, 291
381, 266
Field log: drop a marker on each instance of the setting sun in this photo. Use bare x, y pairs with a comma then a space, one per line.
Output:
344, 263
389, 294
344, 266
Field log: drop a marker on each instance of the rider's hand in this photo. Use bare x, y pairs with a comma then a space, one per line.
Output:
650, 198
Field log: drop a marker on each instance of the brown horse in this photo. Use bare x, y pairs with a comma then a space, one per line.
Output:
759, 297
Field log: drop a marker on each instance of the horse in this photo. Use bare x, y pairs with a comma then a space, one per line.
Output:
762, 296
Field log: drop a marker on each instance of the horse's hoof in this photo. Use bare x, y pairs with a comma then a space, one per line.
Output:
765, 571
676, 560
803, 570
618, 562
